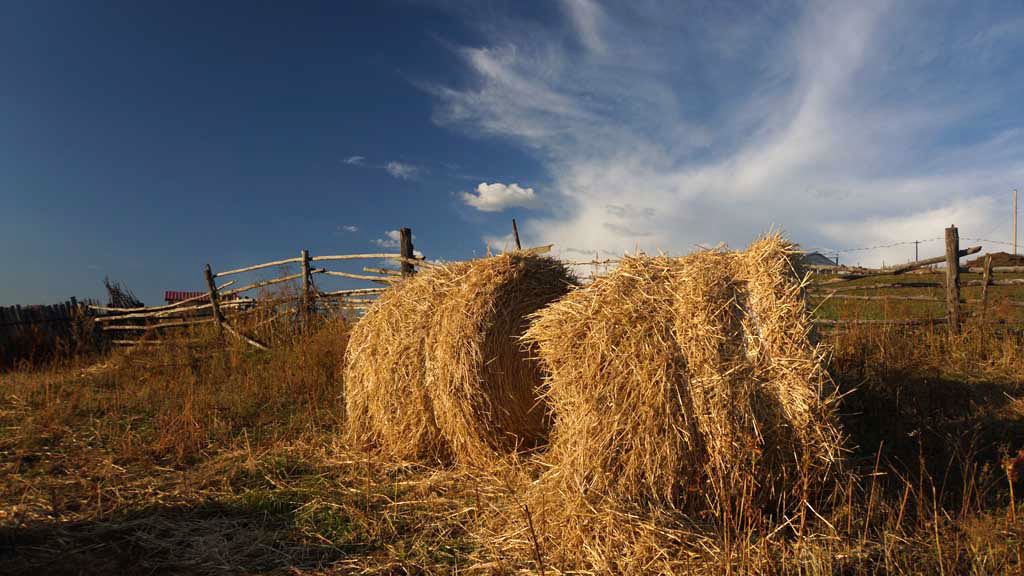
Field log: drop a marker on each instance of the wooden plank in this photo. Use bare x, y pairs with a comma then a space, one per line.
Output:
382, 279
994, 282
255, 285
892, 270
354, 291
257, 267
415, 262
837, 268
383, 271
995, 269
921, 322
158, 325
254, 343
852, 297
815, 288
171, 312
936, 260
537, 250
357, 256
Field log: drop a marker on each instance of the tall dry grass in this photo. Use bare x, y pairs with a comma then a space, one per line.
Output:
207, 456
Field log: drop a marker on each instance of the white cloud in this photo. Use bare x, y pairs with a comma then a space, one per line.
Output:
497, 197
391, 239
350, 228
402, 171
833, 121
355, 160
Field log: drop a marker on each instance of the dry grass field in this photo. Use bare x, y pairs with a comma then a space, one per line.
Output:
210, 457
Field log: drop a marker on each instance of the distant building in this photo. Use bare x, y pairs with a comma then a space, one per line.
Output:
175, 296
816, 259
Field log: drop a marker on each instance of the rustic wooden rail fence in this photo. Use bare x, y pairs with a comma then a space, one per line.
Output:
835, 283
223, 304
829, 286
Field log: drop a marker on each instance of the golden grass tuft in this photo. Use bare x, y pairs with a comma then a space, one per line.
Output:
436, 368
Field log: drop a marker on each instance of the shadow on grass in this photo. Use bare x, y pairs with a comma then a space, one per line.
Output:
939, 431
202, 539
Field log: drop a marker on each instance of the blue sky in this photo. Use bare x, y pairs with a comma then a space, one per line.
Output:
142, 140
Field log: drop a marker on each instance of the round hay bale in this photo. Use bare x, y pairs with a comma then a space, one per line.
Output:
437, 368
483, 380
675, 380
796, 396
386, 398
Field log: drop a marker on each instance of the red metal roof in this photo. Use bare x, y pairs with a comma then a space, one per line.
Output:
172, 296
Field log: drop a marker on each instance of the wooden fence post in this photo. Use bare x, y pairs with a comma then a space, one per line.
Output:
405, 245
307, 298
515, 233
953, 279
985, 281
211, 290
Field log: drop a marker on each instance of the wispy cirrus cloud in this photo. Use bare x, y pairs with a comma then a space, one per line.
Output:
668, 125
399, 170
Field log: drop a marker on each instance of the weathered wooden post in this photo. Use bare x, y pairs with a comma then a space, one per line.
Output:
515, 232
953, 279
986, 279
211, 290
306, 300
406, 248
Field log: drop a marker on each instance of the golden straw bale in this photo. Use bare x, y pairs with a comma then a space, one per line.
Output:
796, 411
674, 379
437, 368
616, 383
483, 381
386, 398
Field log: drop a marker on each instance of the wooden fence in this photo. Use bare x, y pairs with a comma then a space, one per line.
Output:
34, 332
835, 283
224, 303
830, 280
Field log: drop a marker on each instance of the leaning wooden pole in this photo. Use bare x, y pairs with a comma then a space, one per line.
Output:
218, 317
953, 279
408, 253
211, 290
515, 232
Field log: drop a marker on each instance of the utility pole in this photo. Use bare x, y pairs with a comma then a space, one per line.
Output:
916, 242
1014, 221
